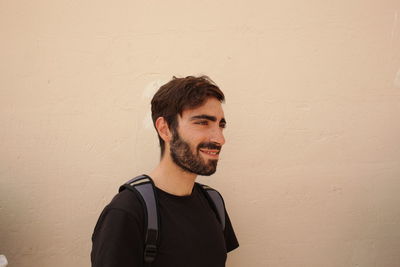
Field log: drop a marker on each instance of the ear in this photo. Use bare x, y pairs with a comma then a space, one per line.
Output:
163, 129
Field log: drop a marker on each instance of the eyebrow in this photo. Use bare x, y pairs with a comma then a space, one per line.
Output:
207, 117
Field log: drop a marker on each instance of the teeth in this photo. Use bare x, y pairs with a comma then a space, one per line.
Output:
210, 152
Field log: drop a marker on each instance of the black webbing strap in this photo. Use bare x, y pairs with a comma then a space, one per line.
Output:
145, 187
216, 202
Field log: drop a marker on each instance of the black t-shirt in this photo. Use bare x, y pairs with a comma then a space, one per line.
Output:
190, 233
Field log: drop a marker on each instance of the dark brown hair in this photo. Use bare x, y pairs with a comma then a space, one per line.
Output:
179, 94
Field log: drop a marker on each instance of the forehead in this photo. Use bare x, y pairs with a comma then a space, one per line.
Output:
211, 107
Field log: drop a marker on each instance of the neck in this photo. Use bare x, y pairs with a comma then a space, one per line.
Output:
172, 179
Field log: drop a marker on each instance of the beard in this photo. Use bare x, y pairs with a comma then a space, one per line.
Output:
190, 161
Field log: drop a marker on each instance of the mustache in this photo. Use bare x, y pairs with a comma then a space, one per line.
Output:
209, 146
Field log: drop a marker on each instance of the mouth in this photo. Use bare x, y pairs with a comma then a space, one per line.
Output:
211, 152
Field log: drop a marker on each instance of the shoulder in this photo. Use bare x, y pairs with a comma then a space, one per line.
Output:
126, 201
211, 193
206, 187
118, 236
218, 205
124, 209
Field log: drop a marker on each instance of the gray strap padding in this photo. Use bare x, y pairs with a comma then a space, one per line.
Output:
143, 185
146, 190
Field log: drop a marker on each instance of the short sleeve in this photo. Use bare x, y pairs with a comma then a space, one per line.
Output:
230, 237
118, 238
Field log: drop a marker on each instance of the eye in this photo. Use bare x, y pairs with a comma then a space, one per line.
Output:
202, 122
222, 125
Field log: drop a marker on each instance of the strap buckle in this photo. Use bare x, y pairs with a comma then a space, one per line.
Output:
150, 252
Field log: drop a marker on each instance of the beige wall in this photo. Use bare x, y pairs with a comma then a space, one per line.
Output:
311, 169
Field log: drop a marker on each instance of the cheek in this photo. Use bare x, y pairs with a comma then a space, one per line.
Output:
194, 146
193, 137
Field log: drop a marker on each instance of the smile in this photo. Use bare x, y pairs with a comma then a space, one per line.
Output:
210, 152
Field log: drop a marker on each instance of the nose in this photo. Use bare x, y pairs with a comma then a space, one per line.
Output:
217, 136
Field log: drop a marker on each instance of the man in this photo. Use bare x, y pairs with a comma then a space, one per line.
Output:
189, 120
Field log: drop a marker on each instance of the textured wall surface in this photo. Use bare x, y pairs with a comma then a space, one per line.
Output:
311, 169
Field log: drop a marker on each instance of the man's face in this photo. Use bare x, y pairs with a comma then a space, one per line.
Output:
198, 139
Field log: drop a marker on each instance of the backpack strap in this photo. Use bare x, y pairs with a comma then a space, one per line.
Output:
144, 187
216, 201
